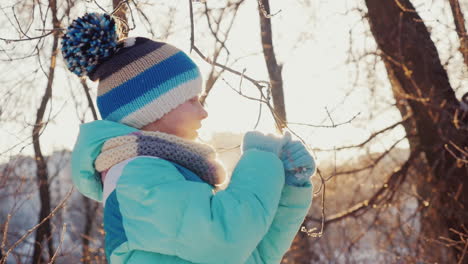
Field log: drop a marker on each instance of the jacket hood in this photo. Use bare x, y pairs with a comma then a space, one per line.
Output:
88, 146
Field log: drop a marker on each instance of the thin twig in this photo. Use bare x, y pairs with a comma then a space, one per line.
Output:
372, 136
5, 234
390, 185
62, 236
192, 33
31, 230
264, 12
460, 261
88, 97
257, 83
327, 126
27, 38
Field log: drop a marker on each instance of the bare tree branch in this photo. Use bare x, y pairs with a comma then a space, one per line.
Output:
31, 230
459, 21
382, 195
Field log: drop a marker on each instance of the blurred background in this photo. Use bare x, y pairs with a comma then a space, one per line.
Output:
377, 90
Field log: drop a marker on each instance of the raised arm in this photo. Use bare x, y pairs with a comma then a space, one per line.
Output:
164, 213
296, 199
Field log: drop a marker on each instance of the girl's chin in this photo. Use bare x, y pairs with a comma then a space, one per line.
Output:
192, 135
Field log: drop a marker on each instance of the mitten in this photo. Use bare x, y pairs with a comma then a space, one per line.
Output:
270, 142
299, 165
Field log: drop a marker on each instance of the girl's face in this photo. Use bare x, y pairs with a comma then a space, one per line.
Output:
183, 121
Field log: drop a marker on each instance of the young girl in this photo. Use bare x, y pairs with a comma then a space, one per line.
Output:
161, 189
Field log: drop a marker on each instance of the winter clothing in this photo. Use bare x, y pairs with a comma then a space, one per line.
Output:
197, 157
270, 143
87, 41
299, 165
158, 211
140, 80
160, 205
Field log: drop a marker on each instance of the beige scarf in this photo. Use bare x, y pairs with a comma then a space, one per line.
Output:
198, 157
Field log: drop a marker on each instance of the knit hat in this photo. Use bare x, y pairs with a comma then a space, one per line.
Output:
140, 80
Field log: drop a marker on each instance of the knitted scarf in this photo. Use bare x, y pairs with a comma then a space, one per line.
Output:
197, 157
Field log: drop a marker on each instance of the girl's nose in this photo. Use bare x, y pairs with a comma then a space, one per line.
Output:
204, 113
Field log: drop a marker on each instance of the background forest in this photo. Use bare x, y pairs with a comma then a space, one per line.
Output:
378, 91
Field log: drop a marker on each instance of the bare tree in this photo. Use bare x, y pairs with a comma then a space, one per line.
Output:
434, 121
421, 87
214, 25
44, 231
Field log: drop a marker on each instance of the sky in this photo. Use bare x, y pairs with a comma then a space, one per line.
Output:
316, 79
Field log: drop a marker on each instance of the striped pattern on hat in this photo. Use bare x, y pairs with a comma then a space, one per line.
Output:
143, 81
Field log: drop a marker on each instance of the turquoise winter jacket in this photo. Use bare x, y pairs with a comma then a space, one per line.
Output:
156, 211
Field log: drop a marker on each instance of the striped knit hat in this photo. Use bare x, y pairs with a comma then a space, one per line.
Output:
140, 80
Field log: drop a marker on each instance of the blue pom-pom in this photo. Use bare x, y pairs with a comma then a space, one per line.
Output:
87, 41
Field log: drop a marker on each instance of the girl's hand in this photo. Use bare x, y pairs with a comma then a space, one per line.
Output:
270, 142
299, 165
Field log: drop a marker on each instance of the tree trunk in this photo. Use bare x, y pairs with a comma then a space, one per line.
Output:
44, 231
85, 254
421, 87
300, 251
90, 212
89, 205
274, 69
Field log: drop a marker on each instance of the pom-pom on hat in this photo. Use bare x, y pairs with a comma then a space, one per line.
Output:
88, 39
140, 80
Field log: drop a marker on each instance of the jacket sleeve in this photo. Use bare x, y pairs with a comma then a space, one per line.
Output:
293, 207
164, 213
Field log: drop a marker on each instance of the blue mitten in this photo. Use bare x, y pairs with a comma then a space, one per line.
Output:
270, 142
299, 165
